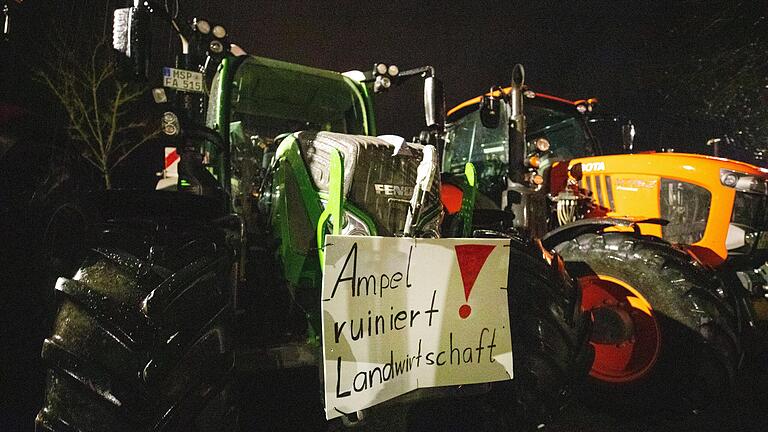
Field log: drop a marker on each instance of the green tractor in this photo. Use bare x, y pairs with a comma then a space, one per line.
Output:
663, 323
181, 291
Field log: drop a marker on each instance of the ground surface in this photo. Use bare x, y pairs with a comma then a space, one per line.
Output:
289, 406
290, 402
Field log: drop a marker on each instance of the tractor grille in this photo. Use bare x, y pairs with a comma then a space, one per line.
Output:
601, 187
375, 181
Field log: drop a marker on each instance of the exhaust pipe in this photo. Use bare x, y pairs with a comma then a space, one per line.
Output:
516, 166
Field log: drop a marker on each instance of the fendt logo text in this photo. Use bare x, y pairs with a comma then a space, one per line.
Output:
393, 190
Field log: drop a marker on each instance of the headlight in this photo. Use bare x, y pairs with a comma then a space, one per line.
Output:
219, 31
216, 47
354, 226
534, 161
203, 26
170, 123
743, 182
729, 179
740, 237
686, 206
736, 238
542, 144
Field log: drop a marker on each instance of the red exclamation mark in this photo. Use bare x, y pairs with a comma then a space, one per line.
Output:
471, 259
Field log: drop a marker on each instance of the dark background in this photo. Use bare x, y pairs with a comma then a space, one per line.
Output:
684, 71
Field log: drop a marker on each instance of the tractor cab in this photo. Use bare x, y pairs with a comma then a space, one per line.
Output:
304, 162
556, 130
263, 97
480, 131
255, 102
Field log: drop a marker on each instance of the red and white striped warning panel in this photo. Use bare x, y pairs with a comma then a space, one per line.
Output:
170, 168
170, 174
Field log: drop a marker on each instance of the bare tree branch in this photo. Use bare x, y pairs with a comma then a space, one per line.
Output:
134, 147
100, 108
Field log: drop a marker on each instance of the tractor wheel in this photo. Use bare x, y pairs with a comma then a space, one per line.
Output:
662, 328
549, 337
141, 341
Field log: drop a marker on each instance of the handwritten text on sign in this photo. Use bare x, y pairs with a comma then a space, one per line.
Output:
403, 313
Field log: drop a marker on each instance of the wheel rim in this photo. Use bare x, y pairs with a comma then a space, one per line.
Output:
628, 338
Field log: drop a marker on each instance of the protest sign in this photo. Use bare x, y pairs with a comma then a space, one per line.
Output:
407, 313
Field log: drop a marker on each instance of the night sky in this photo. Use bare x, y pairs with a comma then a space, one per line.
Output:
571, 49
616, 51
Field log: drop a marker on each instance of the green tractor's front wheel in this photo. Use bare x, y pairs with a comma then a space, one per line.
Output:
549, 337
142, 337
662, 329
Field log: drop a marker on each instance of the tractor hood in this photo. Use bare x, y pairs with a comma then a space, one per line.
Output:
698, 169
717, 205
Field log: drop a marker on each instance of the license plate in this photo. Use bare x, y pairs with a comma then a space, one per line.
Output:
183, 80
763, 242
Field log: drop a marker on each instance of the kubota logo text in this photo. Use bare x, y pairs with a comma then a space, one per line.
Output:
593, 166
393, 190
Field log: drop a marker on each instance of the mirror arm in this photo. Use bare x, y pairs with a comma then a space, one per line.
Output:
158, 10
424, 71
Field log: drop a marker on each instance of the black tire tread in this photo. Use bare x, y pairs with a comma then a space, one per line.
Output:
141, 337
697, 324
548, 334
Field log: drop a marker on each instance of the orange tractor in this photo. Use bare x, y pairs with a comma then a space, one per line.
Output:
669, 248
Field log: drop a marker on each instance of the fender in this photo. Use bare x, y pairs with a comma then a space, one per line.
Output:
592, 225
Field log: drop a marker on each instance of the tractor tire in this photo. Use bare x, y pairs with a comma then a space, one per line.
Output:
663, 330
142, 337
550, 338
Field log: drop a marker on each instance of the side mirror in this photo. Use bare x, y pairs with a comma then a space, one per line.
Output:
131, 35
628, 136
489, 111
434, 102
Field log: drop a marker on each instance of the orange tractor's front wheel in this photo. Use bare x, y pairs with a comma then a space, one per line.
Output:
626, 333
661, 327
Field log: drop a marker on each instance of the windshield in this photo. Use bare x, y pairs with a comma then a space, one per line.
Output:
271, 97
566, 134
609, 133
266, 98
468, 140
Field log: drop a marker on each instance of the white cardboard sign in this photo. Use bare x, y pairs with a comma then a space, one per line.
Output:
404, 313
